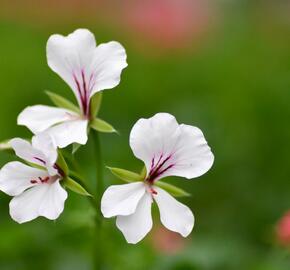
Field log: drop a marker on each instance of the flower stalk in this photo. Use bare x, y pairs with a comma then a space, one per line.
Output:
98, 256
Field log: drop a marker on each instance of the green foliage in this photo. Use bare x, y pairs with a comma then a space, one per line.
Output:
233, 84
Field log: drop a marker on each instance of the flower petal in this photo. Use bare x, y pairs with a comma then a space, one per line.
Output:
122, 199
153, 137
192, 155
26, 151
108, 62
136, 226
68, 55
38, 118
15, 177
45, 200
45, 143
86, 68
170, 149
69, 132
174, 215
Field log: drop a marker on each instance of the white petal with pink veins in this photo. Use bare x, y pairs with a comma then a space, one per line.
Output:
68, 55
83, 66
46, 144
168, 148
15, 177
45, 200
153, 137
26, 151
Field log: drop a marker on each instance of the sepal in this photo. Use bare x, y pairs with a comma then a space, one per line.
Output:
126, 175
102, 126
75, 147
62, 102
171, 189
75, 186
5, 146
61, 163
95, 104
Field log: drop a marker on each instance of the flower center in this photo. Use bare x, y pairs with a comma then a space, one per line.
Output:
159, 167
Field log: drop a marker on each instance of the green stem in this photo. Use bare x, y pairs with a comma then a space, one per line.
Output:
98, 256
99, 165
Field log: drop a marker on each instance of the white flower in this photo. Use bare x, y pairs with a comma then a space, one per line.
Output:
37, 192
167, 149
87, 69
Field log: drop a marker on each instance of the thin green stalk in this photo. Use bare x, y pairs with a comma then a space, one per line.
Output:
99, 166
98, 256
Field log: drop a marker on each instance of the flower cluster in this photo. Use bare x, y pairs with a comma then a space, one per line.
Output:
166, 147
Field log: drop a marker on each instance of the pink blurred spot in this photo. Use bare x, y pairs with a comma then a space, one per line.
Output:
167, 242
168, 24
283, 229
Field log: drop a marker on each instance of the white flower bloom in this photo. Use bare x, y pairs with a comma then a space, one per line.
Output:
87, 69
167, 149
36, 192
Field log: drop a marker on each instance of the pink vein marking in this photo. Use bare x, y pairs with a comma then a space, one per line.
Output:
39, 159
155, 170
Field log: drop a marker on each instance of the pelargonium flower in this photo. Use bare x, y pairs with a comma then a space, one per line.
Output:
87, 69
36, 191
167, 149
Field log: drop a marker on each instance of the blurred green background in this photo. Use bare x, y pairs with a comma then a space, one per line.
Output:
223, 66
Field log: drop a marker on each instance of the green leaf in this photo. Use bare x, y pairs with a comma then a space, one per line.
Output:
75, 186
173, 190
95, 104
102, 126
75, 147
126, 175
61, 163
62, 102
